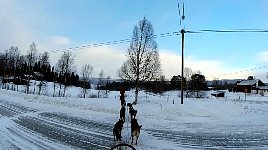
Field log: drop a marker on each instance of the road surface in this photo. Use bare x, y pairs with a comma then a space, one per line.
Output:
22, 127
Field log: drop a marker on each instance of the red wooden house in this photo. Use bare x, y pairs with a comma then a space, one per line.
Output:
250, 86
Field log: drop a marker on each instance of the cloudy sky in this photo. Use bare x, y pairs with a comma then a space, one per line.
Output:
63, 24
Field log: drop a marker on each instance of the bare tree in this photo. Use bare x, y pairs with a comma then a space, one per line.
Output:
44, 59
31, 58
64, 67
12, 62
188, 72
100, 83
198, 83
13, 55
216, 83
41, 86
55, 76
5, 69
86, 73
108, 79
143, 63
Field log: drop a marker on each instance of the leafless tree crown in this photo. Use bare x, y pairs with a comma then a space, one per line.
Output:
143, 63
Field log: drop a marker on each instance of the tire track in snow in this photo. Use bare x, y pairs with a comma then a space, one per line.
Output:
8, 109
211, 139
38, 129
84, 134
17, 137
89, 125
25, 139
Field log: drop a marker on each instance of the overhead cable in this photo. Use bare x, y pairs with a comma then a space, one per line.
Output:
112, 42
160, 36
239, 72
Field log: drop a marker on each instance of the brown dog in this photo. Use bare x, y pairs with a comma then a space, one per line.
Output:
117, 130
135, 130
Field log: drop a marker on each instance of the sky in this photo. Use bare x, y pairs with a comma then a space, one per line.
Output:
63, 24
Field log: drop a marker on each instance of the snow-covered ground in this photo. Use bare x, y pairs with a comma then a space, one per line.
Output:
209, 123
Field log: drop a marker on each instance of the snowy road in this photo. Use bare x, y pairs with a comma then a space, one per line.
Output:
29, 128
200, 136
32, 129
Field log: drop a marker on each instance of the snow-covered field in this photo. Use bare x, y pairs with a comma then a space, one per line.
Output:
30, 121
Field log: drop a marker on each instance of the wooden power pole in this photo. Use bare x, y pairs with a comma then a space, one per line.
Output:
182, 63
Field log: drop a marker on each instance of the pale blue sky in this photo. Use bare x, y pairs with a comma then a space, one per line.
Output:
59, 24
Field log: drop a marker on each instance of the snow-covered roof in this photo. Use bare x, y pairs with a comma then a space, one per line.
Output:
218, 92
263, 87
248, 82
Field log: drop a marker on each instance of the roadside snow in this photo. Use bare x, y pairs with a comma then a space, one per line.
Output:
154, 112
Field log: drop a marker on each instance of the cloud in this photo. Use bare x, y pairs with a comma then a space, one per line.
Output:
211, 69
59, 40
262, 56
53, 43
19, 30
14, 32
107, 58
171, 65
110, 59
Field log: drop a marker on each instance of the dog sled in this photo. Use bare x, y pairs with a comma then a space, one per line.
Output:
122, 146
125, 143
118, 127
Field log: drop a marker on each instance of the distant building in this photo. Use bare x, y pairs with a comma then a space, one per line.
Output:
263, 89
218, 93
251, 86
211, 88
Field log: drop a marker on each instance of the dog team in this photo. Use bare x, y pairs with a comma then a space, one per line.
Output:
135, 127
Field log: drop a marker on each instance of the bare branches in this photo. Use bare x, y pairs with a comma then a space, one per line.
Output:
87, 70
143, 63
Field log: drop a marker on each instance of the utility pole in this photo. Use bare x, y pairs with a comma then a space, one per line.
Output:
182, 17
182, 63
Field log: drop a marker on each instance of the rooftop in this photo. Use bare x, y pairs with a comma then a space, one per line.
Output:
248, 82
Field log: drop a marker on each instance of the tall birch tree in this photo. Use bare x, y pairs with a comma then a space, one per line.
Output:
143, 63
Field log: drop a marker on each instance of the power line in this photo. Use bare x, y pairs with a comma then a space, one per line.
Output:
115, 42
237, 30
161, 35
239, 72
231, 30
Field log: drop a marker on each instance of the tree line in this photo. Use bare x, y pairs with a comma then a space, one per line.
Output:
21, 69
141, 70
